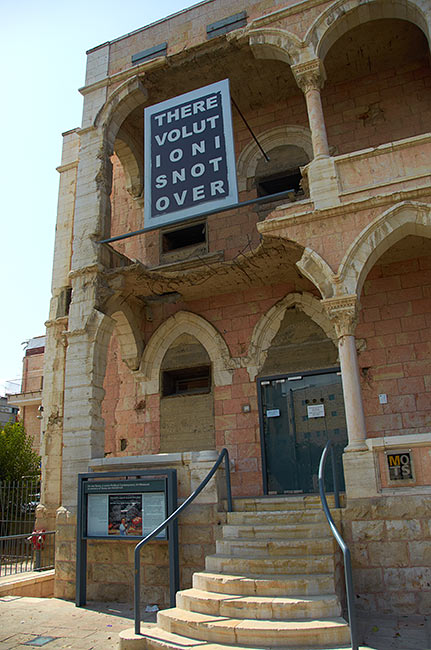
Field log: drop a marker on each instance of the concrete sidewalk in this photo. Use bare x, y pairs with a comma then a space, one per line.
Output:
94, 627
24, 622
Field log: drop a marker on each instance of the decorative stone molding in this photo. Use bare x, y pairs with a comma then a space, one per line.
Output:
268, 325
128, 96
343, 312
184, 322
309, 75
406, 218
281, 135
86, 270
271, 43
318, 272
127, 331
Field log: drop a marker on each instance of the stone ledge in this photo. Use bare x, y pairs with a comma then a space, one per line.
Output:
149, 460
405, 440
35, 584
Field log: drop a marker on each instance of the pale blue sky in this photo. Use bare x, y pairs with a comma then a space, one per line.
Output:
42, 54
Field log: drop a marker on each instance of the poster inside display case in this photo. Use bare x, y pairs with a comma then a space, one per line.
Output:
125, 509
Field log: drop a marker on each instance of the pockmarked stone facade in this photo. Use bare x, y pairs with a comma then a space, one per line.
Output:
300, 314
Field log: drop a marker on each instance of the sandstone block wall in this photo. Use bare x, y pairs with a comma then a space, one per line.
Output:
390, 542
110, 563
395, 323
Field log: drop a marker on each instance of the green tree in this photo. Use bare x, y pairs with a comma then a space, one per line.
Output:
17, 458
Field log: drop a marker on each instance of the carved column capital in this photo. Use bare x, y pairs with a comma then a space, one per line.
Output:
310, 75
343, 312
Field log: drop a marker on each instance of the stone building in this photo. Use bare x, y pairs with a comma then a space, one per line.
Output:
268, 328
29, 399
7, 413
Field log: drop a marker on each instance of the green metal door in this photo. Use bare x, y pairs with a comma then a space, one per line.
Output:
298, 416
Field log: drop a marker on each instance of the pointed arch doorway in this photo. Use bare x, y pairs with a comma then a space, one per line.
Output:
301, 406
299, 413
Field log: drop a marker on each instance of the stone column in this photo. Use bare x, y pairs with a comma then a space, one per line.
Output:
359, 463
344, 312
322, 176
310, 77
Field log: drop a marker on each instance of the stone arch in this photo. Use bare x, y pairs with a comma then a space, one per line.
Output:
116, 136
406, 218
129, 150
289, 134
184, 322
123, 101
343, 15
318, 272
268, 325
100, 327
272, 43
128, 332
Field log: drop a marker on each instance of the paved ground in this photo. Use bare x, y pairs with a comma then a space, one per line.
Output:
94, 627
24, 620
396, 633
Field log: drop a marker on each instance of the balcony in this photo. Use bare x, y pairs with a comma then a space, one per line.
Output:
388, 168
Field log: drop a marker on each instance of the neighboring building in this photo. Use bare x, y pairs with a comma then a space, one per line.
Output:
269, 328
7, 413
29, 399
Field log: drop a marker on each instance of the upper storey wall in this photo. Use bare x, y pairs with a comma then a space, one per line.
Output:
370, 87
187, 29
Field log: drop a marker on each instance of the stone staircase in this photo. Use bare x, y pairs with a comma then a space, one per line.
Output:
271, 584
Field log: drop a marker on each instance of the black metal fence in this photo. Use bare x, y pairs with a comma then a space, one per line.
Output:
21, 549
20, 553
18, 501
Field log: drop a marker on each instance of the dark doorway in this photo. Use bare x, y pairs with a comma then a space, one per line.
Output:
298, 414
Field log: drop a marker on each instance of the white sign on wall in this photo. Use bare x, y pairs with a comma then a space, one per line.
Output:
189, 156
316, 411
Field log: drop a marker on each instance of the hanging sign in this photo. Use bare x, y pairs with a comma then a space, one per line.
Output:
189, 156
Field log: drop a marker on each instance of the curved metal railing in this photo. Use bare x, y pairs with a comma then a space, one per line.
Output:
340, 541
224, 454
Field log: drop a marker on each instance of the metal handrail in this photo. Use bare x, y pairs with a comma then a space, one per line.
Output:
224, 454
341, 543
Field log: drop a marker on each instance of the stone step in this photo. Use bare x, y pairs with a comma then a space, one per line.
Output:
259, 607
153, 638
270, 565
264, 585
280, 518
289, 531
284, 502
301, 633
277, 547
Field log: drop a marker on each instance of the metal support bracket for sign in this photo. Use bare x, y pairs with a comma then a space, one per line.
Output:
113, 485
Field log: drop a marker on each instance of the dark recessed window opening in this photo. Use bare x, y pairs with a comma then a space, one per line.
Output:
183, 237
279, 183
186, 381
68, 298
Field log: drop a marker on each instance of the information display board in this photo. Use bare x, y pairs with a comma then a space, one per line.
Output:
125, 509
189, 156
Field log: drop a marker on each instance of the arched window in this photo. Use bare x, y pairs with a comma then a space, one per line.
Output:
282, 172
